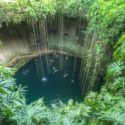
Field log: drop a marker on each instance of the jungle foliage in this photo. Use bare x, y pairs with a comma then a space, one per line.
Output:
108, 18
106, 107
34, 10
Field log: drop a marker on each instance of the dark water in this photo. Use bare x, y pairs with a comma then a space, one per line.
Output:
60, 81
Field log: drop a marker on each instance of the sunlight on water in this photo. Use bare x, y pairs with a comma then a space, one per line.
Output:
54, 84
44, 79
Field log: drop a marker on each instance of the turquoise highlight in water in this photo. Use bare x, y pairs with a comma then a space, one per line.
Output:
53, 77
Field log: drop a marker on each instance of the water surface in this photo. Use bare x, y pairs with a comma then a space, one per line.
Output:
54, 77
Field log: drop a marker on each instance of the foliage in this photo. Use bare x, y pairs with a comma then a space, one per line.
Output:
119, 83
94, 111
17, 11
115, 69
35, 113
107, 17
21, 10
106, 107
71, 8
119, 52
6, 72
118, 118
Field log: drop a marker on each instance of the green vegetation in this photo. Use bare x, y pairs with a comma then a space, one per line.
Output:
119, 52
107, 17
107, 107
18, 11
26, 10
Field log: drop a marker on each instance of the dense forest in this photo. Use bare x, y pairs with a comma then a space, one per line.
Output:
106, 23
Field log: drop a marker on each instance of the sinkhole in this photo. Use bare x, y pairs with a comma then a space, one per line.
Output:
53, 77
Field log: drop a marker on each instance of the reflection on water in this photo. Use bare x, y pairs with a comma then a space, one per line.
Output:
56, 83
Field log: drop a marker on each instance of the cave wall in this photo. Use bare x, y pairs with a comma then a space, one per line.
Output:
60, 32
15, 41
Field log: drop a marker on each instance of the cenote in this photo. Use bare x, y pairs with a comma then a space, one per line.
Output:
70, 61
53, 77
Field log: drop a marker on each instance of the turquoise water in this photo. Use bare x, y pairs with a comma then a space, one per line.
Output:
53, 77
